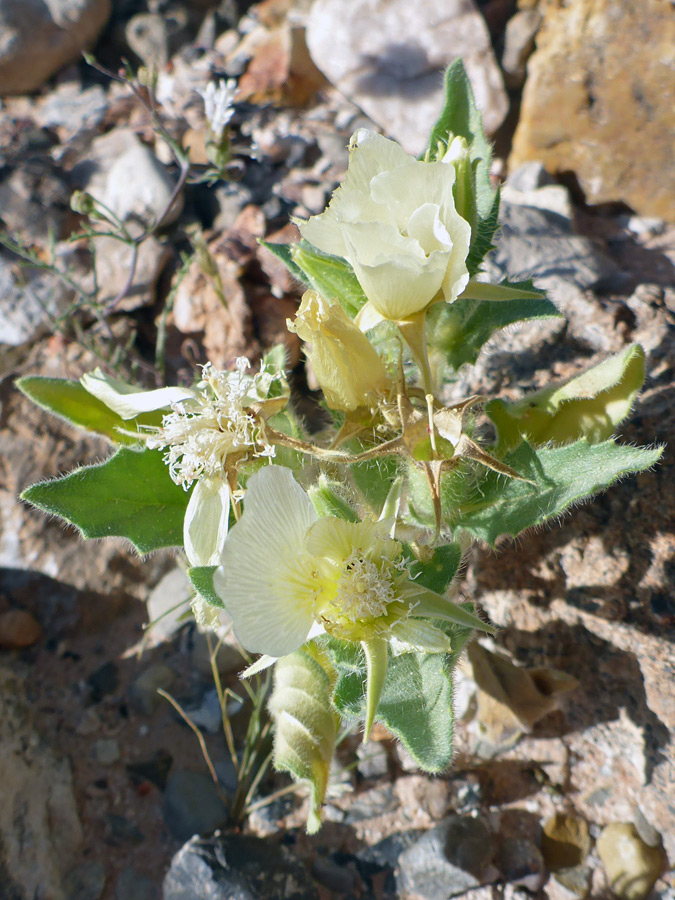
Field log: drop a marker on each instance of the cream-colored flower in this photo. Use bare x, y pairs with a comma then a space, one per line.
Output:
346, 365
287, 575
394, 220
205, 428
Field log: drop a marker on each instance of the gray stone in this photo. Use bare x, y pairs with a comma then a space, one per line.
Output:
119, 276
143, 695
541, 244
167, 603
30, 301
106, 751
154, 37
73, 109
192, 804
450, 859
86, 881
133, 886
207, 715
388, 57
40, 36
236, 867
34, 201
519, 35
40, 831
373, 760
127, 178
120, 830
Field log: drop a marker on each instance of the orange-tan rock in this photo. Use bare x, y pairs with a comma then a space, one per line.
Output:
600, 101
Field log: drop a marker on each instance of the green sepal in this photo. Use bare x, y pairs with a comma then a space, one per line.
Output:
331, 276
458, 331
305, 725
283, 253
377, 656
70, 401
415, 703
131, 495
436, 573
374, 479
558, 478
201, 578
327, 501
590, 405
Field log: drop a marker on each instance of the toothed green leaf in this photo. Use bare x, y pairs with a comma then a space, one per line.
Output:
559, 476
458, 331
131, 495
70, 401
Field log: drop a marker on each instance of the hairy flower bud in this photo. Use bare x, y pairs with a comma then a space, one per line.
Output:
345, 363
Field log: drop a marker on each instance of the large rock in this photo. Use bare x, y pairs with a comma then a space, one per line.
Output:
388, 56
600, 98
37, 37
40, 831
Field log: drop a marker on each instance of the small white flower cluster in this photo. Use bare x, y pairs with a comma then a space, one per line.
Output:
218, 102
201, 432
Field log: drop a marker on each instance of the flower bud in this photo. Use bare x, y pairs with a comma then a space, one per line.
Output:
464, 189
346, 365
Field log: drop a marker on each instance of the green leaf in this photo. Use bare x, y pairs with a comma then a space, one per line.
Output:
305, 725
283, 252
374, 479
481, 239
331, 276
437, 573
131, 495
460, 330
560, 476
590, 405
202, 581
70, 401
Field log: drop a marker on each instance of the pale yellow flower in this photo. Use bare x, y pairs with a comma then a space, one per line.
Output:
346, 365
287, 576
394, 220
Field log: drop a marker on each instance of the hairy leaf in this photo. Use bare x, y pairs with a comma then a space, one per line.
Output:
202, 581
374, 479
131, 495
70, 401
305, 725
331, 276
437, 572
558, 477
590, 405
458, 331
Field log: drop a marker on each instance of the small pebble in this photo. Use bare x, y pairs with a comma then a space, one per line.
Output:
106, 751
18, 628
143, 695
103, 681
192, 804
521, 863
631, 865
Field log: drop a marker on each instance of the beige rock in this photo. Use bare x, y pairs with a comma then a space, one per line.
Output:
388, 56
40, 830
600, 101
37, 37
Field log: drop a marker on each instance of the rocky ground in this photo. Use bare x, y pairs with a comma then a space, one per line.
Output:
552, 792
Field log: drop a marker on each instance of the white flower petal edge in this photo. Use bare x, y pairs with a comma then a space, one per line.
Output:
206, 522
264, 578
126, 400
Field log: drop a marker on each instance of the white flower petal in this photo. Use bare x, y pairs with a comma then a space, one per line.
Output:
206, 522
262, 663
426, 227
371, 154
265, 579
367, 317
406, 188
126, 400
